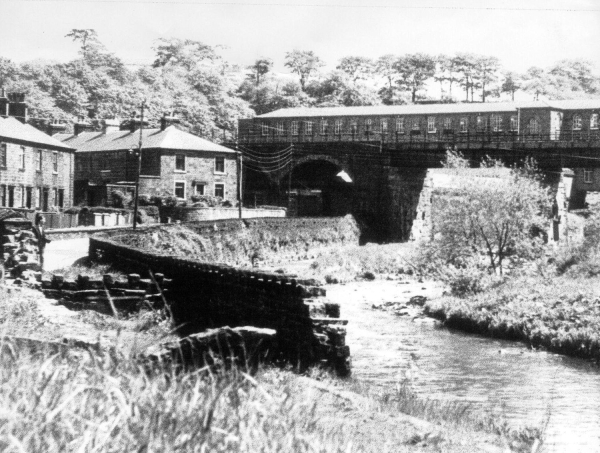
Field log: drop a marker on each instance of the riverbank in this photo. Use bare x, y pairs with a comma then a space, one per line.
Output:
276, 410
560, 313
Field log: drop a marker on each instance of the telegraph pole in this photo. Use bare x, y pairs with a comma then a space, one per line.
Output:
239, 178
139, 153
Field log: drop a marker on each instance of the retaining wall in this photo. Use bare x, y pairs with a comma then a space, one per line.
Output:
203, 295
194, 214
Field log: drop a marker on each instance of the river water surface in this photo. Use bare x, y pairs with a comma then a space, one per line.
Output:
443, 364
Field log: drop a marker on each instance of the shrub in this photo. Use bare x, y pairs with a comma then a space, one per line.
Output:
120, 199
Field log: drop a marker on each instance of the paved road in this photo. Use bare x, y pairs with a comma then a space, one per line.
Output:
60, 254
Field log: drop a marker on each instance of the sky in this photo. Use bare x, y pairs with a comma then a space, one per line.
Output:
522, 33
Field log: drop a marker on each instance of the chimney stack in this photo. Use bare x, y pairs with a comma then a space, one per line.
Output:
55, 127
133, 123
81, 125
167, 120
111, 125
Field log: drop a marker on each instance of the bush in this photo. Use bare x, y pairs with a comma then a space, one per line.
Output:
120, 199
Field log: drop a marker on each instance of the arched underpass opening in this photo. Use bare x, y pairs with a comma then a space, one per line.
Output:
319, 188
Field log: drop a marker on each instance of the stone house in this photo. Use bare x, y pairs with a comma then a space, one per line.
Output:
36, 170
173, 162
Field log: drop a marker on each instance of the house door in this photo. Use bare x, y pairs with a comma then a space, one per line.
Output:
45, 205
555, 125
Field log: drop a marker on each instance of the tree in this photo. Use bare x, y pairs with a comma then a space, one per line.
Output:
492, 212
485, 73
260, 68
465, 66
357, 68
511, 84
447, 71
414, 70
87, 39
304, 63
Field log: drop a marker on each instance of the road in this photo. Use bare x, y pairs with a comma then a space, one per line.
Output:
64, 253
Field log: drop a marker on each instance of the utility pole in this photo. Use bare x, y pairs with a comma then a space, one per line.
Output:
139, 153
239, 178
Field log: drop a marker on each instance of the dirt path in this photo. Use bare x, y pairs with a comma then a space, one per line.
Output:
64, 253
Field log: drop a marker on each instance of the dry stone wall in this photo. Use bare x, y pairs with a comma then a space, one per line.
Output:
203, 295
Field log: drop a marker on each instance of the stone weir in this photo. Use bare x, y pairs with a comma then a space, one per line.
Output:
308, 327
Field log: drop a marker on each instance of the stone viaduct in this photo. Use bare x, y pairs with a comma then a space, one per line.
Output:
379, 174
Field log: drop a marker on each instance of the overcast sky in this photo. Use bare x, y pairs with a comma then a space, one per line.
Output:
522, 33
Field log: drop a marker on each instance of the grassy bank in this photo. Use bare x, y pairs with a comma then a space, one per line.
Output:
108, 403
560, 313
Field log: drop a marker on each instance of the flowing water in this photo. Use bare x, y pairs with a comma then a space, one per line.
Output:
440, 363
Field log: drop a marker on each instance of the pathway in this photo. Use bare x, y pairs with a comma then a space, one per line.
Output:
64, 253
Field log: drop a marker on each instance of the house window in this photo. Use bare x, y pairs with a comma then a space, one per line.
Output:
219, 164
431, 124
180, 189
480, 123
587, 176
308, 126
464, 125
496, 123
220, 190
61, 198
514, 123
447, 123
39, 160
11, 196
400, 125
55, 196
594, 121
264, 129
323, 127
383, 126
22, 158
577, 122
338, 127
55, 162
294, 127
368, 124
534, 126
3, 195
279, 128
38, 198
180, 162
23, 199
29, 197
199, 189
3, 155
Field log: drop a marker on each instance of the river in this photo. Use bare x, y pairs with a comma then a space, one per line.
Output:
439, 363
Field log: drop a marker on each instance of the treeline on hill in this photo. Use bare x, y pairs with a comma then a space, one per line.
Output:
209, 93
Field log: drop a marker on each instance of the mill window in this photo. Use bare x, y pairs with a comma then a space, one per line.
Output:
577, 122
279, 128
496, 123
368, 123
431, 124
514, 123
324, 127
308, 126
400, 125
594, 121
416, 125
587, 176
264, 129
464, 124
338, 127
383, 126
294, 127
447, 123
354, 127
534, 126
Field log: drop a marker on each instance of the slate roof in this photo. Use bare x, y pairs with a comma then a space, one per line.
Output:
12, 130
429, 109
171, 138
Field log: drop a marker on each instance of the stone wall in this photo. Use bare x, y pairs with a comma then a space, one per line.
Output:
195, 214
203, 295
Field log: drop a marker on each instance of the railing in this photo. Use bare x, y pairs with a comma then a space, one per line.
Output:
424, 136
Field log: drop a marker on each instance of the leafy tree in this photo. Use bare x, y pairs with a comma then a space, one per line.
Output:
465, 66
357, 68
447, 70
414, 70
337, 89
304, 63
511, 84
260, 68
485, 73
384, 67
493, 214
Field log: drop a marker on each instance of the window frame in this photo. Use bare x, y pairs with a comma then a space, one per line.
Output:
196, 192
514, 123
324, 127
535, 122
431, 125
337, 127
294, 127
354, 127
175, 183
264, 129
279, 128
594, 121
587, 176
219, 159
55, 162
447, 123
368, 125
383, 125
308, 128
215, 189
577, 122
3, 155
415, 125
400, 125
496, 123
21, 156
38, 197
179, 156
463, 125
40, 160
